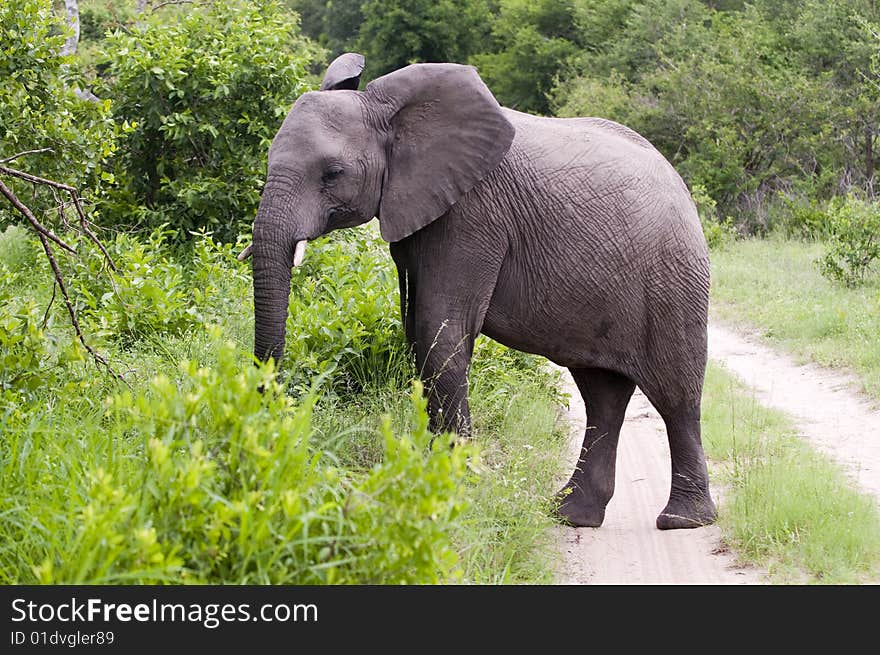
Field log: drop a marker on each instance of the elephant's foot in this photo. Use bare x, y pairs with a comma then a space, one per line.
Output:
574, 510
687, 511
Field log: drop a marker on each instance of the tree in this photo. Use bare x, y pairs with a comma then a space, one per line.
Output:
39, 106
335, 24
205, 91
531, 41
72, 9
396, 33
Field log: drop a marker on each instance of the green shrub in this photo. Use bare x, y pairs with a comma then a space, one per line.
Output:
221, 483
193, 475
800, 218
853, 242
40, 109
716, 231
156, 292
32, 351
205, 91
26, 361
344, 318
148, 296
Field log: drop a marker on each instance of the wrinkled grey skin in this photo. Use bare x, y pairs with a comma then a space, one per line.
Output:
570, 238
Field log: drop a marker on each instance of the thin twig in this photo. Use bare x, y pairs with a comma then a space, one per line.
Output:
176, 2
59, 279
60, 206
34, 178
28, 214
22, 154
48, 307
84, 224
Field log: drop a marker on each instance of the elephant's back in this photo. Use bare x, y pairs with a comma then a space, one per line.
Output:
603, 240
599, 178
596, 151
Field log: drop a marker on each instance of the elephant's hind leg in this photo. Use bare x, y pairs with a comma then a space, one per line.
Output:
690, 502
606, 394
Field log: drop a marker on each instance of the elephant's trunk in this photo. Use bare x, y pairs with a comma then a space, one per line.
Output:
276, 247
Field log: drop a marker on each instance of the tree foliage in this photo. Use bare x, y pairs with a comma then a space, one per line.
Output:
530, 42
39, 108
334, 24
205, 93
749, 102
400, 32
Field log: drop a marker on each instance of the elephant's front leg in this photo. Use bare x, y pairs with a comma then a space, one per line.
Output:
445, 289
443, 352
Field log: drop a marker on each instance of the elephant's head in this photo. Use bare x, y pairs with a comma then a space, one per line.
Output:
405, 149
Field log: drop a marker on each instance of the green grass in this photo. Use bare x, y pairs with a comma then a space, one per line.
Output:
775, 286
785, 506
505, 534
193, 475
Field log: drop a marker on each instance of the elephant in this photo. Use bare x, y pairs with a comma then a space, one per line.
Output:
571, 238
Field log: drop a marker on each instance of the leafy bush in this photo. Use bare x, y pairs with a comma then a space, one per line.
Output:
853, 242
344, 318
25, 347
30, 351
39, 105
156, 293
194, 475
225, 486
716, 231
800, 217
205, 90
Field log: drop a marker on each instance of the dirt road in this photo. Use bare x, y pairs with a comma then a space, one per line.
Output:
826, 406
628, 549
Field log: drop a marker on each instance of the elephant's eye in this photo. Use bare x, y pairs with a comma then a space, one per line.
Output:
331, 174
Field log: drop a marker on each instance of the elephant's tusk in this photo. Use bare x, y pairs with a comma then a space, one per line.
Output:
244, 254
299, 253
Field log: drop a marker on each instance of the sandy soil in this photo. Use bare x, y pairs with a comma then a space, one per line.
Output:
628, 549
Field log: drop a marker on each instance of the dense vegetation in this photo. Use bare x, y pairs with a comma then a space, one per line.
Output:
192, 474
202, 467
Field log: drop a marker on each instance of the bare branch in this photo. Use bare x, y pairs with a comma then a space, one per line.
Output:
49, 307
46, 236
28, 214
35, 179
176, 2
59, 279
22, 154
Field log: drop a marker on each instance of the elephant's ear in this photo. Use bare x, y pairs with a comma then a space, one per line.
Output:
446, 132
344, 72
